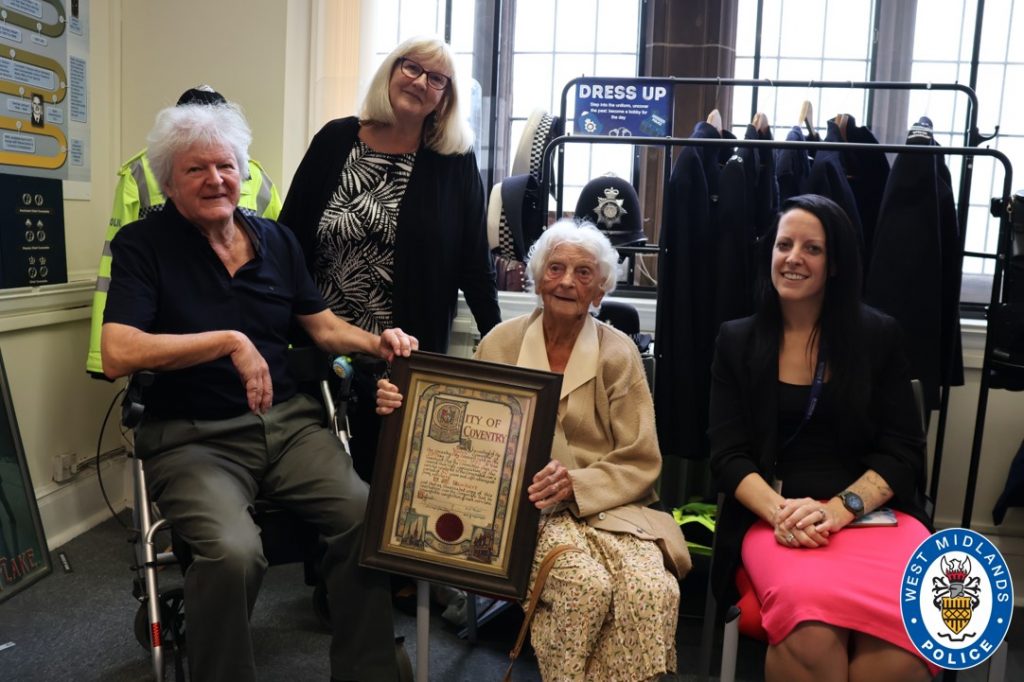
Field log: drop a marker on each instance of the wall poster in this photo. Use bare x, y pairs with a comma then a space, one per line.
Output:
44, 104
623, 107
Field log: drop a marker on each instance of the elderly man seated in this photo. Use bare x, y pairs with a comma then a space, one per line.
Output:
206, 296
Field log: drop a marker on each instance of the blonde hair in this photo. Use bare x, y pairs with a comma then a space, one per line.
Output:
445, 130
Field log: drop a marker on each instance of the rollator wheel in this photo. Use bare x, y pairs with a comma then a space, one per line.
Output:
320, 606
172, 619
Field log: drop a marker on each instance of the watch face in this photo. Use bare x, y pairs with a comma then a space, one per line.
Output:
853, 502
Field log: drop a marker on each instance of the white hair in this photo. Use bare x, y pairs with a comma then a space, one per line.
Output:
583, 235
445, 130
180, 127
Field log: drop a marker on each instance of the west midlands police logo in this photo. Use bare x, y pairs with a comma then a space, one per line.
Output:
956, 598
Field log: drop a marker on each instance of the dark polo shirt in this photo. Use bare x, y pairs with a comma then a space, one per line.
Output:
166, 279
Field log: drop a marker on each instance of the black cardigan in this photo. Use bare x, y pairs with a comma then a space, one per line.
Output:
441, 243
744, 428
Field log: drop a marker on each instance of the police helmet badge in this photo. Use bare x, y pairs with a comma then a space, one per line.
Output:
956, 598
610, 209
612, 204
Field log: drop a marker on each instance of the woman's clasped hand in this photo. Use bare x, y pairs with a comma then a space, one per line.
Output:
804, 523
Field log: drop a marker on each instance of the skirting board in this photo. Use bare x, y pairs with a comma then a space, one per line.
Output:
69, 510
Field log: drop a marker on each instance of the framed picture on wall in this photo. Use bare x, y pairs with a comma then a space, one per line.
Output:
24, 556
448, 501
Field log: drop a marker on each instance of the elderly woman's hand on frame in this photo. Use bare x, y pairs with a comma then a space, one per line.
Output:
388, 397
551, 485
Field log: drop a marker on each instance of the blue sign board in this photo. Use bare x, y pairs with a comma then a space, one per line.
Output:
624, 107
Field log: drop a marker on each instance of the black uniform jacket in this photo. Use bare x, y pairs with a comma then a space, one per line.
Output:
914, 273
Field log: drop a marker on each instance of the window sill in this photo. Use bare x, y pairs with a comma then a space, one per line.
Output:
28, 307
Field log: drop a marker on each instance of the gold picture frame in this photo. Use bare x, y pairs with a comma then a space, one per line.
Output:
448, 502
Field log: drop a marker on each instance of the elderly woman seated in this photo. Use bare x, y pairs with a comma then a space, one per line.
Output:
609, 611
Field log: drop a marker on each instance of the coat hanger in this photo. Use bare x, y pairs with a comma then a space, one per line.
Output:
715, 119
807, 117
841, 120
760, 123
923, 129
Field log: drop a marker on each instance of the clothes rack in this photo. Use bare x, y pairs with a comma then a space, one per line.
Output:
971, 138
1004, 202
1001, 207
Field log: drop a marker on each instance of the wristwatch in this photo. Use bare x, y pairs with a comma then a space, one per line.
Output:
852, 502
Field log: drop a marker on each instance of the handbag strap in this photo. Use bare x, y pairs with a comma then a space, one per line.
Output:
538, 587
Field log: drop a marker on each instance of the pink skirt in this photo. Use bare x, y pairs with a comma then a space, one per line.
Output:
853, 583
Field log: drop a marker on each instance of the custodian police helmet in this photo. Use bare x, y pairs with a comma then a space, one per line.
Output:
612, 205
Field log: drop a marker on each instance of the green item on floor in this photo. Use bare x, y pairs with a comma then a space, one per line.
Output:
697, 519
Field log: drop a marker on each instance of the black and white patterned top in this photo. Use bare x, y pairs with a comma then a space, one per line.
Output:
355, 240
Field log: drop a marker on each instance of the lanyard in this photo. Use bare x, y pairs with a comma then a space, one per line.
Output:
812, 400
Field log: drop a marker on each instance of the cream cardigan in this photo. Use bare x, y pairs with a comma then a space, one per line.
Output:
605, 431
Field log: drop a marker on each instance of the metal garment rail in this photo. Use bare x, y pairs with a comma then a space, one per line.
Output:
971, 138
1004, 248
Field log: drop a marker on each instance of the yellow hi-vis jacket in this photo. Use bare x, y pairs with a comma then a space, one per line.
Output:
137, 195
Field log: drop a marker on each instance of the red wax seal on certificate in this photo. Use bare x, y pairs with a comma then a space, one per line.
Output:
448, 527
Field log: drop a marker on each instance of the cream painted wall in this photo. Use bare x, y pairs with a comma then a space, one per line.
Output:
237, 46
142, 56
1002, 436
44, 331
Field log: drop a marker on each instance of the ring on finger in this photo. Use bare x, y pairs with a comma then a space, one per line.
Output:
823, 515
790, 537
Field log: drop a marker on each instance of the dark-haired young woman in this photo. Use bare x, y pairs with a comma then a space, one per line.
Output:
813, 423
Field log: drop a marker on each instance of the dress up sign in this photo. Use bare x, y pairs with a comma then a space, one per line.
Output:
448, 501
623, 107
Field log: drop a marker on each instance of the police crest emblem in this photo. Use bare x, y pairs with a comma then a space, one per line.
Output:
956, 598
610, 208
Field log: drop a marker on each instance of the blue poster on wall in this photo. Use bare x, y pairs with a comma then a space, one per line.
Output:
623, 107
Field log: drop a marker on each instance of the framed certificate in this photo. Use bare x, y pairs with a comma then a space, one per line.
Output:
448, 501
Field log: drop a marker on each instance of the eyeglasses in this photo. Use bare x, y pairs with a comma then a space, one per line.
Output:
413, 70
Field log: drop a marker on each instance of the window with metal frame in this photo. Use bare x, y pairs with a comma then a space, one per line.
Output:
944, 42
551, 42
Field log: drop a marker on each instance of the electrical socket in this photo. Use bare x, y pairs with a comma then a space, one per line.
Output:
65, 466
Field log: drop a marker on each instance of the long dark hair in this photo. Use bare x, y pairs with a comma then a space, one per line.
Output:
839, 326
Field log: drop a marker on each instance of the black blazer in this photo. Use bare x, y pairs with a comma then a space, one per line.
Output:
914, 274
867, 172
828, 178
682, 298
441, 245
744, 428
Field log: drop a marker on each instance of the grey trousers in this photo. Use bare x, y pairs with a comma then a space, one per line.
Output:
204, 476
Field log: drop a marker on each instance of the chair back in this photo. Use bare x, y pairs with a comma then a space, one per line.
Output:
926, 502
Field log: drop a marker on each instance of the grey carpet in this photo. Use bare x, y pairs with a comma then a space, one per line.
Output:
80, 626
